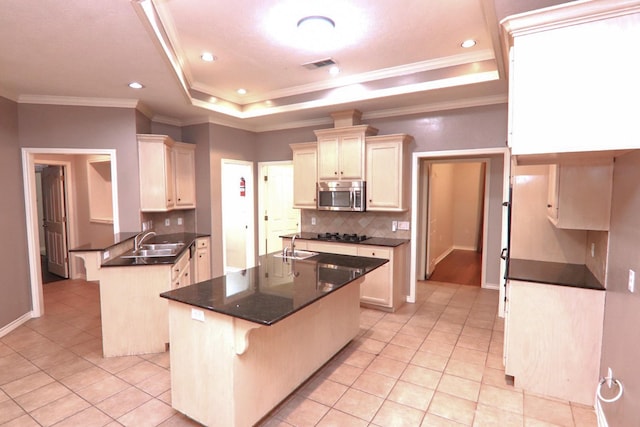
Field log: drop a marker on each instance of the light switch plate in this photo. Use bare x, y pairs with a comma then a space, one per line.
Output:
105, 255
403, 225
632, 281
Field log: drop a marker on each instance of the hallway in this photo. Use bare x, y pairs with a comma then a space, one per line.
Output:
461, 267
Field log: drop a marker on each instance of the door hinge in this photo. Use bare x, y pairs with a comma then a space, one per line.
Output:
266, 274
266, 217
266, 178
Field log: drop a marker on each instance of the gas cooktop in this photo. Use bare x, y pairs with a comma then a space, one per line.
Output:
345, 237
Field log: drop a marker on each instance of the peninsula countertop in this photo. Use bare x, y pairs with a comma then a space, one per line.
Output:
553, 273
276, 288
373, 241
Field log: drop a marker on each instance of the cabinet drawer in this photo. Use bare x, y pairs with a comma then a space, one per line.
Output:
333, 248
202, 243
180, 265
374, 252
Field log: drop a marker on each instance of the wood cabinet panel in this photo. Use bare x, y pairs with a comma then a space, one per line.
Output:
387, 164
305, 165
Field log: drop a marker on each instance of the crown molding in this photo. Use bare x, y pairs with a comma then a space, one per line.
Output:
567, 14
78, 101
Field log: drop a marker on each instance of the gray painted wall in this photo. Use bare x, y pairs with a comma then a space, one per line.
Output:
15, 291
49, 126
621, 335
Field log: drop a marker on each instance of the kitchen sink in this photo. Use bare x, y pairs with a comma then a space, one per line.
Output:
150, 253
159, 246
296, 255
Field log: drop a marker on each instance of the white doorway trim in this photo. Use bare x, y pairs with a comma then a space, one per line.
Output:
250, 196
31, 211
416, 200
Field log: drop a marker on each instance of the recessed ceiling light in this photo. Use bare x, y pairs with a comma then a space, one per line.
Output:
136, 85
242, 91
334, 71
208, 57
468, 43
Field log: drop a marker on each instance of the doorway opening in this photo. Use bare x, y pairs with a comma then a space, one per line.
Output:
71, 163
455, 196
494, 221
238, 190
275, 199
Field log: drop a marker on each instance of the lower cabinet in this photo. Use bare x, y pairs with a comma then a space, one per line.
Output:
180, 273
553, 337
202, 260
385, 287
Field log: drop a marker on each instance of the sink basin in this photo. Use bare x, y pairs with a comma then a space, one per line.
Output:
150, 253
158, 246
296, 255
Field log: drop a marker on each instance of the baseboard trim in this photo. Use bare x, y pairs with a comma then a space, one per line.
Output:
465, 248
16, 323
491, 286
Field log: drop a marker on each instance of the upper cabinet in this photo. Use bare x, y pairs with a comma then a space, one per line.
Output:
387, 176
167, 174
341, 152
304, 175
579, 195
573, 77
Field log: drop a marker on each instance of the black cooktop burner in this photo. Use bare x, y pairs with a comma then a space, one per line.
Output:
337, 237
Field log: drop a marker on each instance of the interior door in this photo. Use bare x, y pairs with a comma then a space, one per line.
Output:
55, 220
280, 217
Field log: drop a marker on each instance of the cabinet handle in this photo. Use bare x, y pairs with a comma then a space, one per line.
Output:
549, 206
335, 173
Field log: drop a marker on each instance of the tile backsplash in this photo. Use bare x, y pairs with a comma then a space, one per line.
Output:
187, 217
373, 224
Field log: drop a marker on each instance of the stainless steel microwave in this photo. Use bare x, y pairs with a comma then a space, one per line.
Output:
342, 196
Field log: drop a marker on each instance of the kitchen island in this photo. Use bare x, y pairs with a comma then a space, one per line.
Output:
241, 343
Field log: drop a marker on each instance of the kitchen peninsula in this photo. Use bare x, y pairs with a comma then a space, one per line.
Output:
241, 343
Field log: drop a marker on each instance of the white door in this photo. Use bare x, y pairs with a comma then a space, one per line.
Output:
55, 220
279, 216
238, 214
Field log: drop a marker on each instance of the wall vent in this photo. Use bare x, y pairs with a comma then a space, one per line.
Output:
319, 64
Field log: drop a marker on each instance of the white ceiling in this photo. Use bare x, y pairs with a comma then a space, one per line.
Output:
396, 56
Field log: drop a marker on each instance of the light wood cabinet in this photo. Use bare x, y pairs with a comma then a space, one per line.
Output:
184, 162
553, 337
385, 287
304, 175
387, 172
202, 260
167, 173
579, 195
341, 152
563, 96
180, 273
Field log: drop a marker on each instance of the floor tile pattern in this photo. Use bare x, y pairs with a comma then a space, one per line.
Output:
437, 362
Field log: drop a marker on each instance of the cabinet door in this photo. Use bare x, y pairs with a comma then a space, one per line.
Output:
156, 176
328, 158
202, 270
184, 165
377, 287
384, 176
552, 194
304, 177
351, 152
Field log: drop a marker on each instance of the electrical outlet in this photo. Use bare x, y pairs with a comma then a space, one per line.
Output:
197, 315
593, 250
313, 220
144, 226
105, 255
632, 281
179, 220
394, 225
167, 222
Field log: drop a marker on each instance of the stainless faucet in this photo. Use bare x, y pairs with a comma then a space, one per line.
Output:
137, 243
292, 247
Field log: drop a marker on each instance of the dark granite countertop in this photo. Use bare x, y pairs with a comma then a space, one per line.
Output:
104, 244
373, 241
275, 288
553, 273
186, 238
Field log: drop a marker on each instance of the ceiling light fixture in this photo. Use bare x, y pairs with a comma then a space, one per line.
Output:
468, 43
242, 91
208, 57
136, 85
334, 71
317, 25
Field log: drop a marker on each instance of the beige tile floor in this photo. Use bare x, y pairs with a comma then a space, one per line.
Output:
434, 363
